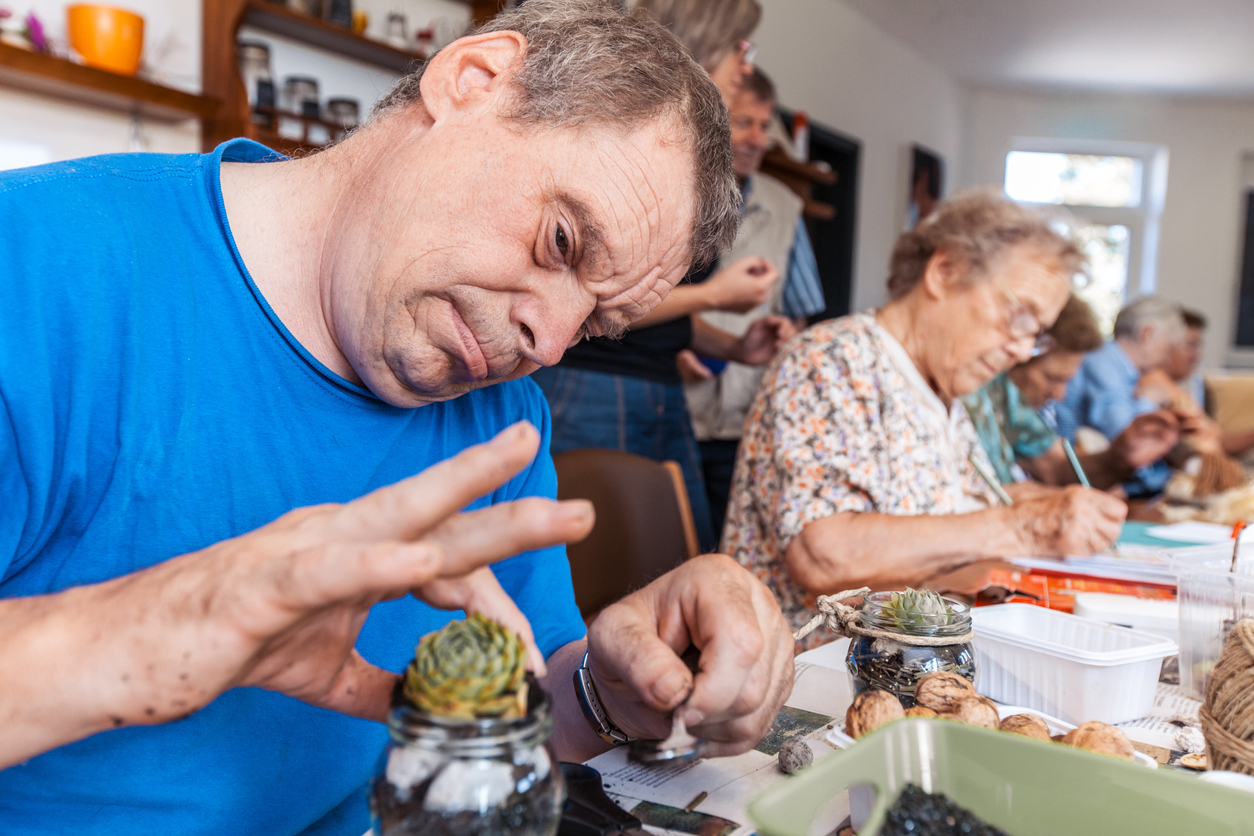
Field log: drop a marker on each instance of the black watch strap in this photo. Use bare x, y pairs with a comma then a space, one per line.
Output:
593, 710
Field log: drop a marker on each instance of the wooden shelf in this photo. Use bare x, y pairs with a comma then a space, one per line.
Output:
51, 76
280, 20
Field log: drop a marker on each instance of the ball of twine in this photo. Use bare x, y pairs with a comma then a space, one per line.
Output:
1228, 713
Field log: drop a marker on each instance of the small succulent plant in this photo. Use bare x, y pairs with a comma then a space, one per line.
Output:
469, 670
916, 609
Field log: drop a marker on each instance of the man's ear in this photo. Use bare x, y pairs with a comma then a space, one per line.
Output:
468, 72
943, 274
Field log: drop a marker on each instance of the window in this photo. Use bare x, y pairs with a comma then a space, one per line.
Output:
1108, 197
1073, 179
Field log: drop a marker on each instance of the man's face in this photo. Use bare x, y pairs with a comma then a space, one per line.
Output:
750, 120
1184, 356
490, 264
1156, 344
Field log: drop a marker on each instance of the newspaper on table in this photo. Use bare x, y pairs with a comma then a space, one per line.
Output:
662, 796
1172, 723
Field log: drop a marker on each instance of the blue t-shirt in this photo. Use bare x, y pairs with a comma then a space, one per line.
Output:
151, 404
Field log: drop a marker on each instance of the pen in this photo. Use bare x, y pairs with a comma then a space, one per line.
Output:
1075, 464
989, 478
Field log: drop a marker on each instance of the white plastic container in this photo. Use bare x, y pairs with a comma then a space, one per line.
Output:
1069, 667
1211, 599
1162, 618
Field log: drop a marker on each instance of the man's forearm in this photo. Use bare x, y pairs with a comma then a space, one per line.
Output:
63, 669
684, 300
573, 739
849, 550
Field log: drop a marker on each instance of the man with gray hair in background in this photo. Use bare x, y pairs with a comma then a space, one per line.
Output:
263, 422
1102, 395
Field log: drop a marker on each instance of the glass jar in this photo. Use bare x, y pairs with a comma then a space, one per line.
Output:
344, 113
886, 665
394, 34
442, 777
300, 95
254, 69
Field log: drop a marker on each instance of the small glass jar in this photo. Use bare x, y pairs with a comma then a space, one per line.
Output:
441, 777
344, 113
254, 69
886, 665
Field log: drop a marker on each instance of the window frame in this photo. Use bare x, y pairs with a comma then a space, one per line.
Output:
1143, 222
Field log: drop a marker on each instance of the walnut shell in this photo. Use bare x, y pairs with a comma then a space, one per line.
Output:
920, 711
1028, 725
941, 691
978, 711
794, 754
870, 710
1104, 739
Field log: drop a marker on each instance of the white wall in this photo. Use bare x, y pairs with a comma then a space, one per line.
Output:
172, 41
1200, 245
846, 73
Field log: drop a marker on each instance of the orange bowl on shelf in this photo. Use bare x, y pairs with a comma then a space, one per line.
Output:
107, 38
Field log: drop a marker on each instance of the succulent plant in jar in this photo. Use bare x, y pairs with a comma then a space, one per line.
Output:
902, 636
468, 752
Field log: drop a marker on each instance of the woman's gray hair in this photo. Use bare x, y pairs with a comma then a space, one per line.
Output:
976, 227
1162, 313
589, 64
710, 29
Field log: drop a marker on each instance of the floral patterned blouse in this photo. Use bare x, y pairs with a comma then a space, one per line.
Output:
843, 422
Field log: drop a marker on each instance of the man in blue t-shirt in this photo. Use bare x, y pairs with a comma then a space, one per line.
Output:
191, 347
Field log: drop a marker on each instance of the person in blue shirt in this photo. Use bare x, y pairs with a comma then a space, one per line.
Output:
1102, 395
230, 386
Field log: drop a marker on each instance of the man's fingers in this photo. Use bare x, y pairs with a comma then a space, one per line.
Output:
629, 649
725, 625
510, 528
405, 510
345, 572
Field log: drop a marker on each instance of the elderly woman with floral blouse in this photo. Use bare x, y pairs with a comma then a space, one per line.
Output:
854, 468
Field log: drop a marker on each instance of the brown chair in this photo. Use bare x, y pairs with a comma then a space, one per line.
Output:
643, 528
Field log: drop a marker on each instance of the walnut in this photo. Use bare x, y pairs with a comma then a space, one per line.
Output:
1028, 725
920, 711
870, 710
794, 754
1104, 739
978, 711
941, 691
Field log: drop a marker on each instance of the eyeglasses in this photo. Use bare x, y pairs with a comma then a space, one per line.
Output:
747, 51
1044, 344
1021, 322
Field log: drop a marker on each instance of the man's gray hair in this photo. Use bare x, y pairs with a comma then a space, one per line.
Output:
1165, 314
588, 64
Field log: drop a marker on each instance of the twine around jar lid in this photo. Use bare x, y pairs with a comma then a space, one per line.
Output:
846, 621
1228, 712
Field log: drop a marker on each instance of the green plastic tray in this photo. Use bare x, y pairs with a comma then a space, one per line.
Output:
1026, 787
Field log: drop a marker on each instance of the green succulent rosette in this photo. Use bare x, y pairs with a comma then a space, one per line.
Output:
916, 609
469, 670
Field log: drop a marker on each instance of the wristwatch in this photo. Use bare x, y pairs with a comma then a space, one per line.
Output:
590, 702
